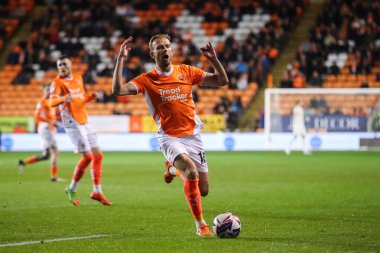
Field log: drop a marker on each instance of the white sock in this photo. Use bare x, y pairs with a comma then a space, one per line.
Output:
97, 188
73, 186
199, 223
172, 170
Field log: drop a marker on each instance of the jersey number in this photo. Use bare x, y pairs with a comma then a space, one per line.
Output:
202, 157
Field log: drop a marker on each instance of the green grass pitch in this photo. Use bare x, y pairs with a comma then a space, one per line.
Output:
325, 202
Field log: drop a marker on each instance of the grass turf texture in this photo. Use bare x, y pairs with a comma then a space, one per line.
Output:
326, 202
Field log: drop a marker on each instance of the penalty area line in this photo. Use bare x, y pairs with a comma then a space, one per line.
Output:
52, 240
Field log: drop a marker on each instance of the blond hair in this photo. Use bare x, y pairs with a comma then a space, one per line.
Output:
156, 37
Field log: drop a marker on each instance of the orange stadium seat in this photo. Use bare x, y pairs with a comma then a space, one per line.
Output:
341, 78
351, 78
331, 78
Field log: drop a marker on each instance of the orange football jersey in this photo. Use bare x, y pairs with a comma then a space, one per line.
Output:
77, 107
44, 114
170, 100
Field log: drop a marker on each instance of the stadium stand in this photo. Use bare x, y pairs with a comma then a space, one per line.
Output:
11, 14
342, 49
330, 104
248, 37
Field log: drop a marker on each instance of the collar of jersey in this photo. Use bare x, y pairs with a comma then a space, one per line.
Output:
160, 72
68, 79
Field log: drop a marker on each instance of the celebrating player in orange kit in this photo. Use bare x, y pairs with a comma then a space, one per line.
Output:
46, 124
167, 90
67, 91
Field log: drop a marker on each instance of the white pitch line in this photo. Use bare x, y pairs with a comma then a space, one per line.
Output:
52, 240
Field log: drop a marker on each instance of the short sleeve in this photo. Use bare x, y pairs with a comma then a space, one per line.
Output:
55, 89
139, 82
197, 75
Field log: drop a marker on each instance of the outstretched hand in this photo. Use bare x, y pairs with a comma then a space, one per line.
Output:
124, 49
208, 51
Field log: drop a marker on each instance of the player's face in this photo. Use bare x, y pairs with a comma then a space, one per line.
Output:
64, 67
162, 51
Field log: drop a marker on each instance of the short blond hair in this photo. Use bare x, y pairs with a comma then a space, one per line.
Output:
156, 37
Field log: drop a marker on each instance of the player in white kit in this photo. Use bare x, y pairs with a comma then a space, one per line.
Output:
299, 128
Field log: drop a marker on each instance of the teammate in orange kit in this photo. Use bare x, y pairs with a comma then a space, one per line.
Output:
67, 92
45, 118
167, 90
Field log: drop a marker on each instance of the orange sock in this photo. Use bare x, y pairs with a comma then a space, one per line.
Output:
81, 167
53, 171
30, 160
96, 169
193, 197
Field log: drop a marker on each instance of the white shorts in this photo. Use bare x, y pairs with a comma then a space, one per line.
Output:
83, 137
47, 138
171, 147
299, 129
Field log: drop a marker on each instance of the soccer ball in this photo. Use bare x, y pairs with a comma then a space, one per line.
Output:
226, 225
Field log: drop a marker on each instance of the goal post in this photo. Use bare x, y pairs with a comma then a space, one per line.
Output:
329, 114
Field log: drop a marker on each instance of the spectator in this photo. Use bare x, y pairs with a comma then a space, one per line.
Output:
338, 111
24, 76
334, 69
107, 71
298, 81
92, 59
242, 82
354, 69
14, 56
285, 81
315, 80
89, 77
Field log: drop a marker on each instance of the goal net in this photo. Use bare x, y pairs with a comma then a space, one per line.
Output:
348, 116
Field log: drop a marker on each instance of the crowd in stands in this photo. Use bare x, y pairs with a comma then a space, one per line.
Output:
91, 32
11, 14
345, 40
332, 109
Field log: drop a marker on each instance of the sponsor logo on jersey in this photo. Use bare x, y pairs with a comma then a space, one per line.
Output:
76, 93
172, 94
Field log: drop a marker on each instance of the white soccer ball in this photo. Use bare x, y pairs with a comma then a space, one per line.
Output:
226, 225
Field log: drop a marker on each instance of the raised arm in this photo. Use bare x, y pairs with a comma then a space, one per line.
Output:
219, 77
118, 88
